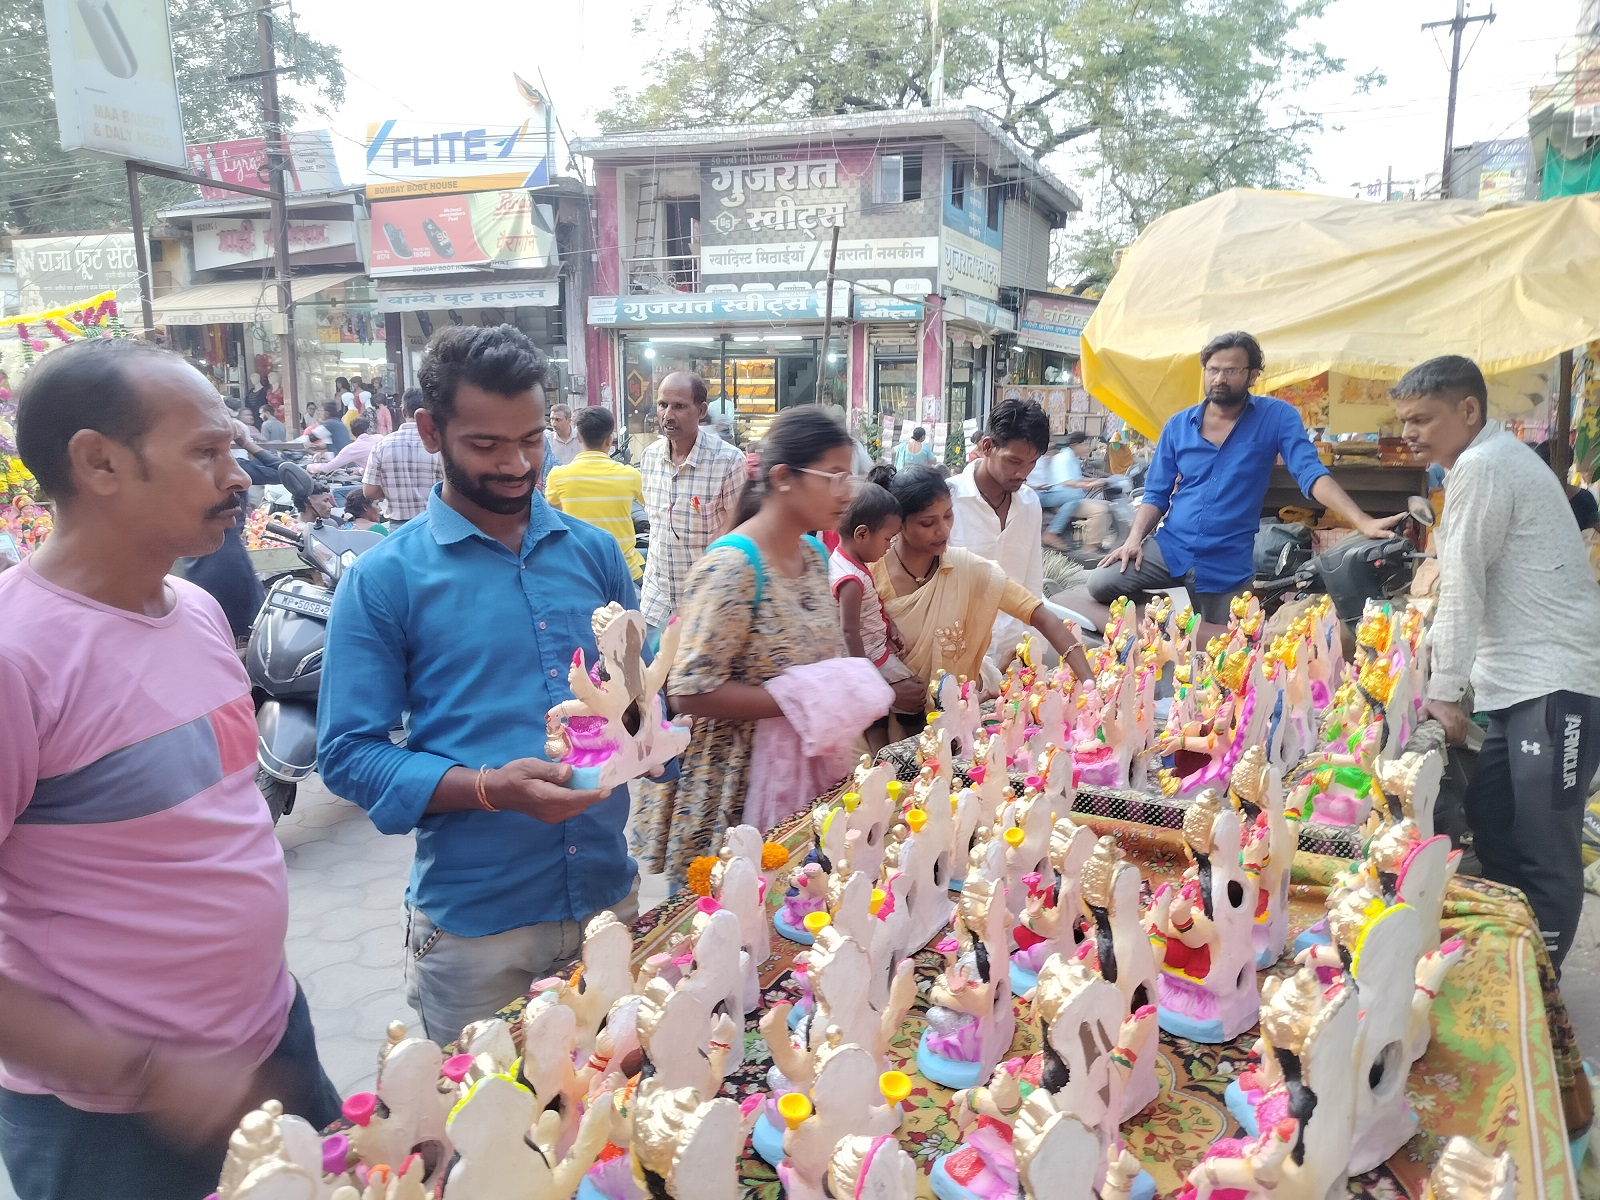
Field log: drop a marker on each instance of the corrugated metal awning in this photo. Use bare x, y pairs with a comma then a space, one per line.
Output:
237, 301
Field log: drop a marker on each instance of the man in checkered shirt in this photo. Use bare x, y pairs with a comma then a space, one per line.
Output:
691, 480
401, 471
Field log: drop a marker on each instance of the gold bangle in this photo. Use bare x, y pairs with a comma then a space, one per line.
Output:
483, 799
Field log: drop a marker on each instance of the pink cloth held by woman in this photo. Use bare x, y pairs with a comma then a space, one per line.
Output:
798, 756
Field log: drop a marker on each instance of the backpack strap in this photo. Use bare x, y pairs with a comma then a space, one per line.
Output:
739, 542
753, 555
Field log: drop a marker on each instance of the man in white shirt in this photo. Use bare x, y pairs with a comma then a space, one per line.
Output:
1518, 618
564, 440
996, 516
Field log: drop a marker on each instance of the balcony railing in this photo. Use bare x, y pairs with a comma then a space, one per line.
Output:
655, 276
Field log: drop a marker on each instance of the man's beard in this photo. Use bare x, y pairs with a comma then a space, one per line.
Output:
475, 488
1228, 397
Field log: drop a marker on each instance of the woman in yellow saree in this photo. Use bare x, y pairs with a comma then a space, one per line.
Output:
944, 599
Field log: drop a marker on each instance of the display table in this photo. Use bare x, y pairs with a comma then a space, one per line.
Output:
1502, 1067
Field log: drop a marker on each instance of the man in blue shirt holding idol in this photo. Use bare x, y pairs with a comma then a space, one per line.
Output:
467, 619
1207, 482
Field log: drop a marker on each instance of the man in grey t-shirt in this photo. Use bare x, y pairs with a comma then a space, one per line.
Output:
1518, 618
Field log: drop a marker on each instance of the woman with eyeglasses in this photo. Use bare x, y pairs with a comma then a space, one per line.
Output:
756, 605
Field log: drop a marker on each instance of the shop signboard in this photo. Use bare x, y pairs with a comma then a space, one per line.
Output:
409, 297
246, 240
968, 265
795, 259
414, 157
1503, 174
770, 217
966, 203
698, 308
115, 88
64, 269
310, 165
429, 235
1049, 322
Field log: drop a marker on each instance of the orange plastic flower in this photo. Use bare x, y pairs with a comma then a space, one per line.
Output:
698, 876
773, 856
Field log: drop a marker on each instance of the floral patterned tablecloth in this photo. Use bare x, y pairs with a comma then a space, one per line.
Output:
1490, 1073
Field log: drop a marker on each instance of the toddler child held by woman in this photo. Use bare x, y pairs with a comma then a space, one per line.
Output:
869, 525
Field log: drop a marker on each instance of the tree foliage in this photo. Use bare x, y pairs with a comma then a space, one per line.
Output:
44, 188
1153, 103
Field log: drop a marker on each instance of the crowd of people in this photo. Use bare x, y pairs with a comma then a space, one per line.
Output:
144, 997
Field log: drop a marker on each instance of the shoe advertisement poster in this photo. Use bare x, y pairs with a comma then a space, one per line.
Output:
116, 91
441, 234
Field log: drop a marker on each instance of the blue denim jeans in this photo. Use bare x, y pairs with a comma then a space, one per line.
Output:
57, 1152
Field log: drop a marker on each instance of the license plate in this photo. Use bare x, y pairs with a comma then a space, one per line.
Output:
301, 604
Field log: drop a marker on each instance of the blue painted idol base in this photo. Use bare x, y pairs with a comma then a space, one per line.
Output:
767, 1139
1207, 1032
1023, 980
1239, 1106
802, 936
948, 1072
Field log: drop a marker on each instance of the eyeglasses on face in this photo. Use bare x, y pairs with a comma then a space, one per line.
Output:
1227, 372
838, 481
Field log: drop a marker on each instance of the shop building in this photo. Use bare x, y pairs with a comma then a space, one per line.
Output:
220, 305
509, 256
713, 255
1043, 364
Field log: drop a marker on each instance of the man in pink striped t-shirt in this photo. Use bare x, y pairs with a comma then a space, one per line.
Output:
145, 1003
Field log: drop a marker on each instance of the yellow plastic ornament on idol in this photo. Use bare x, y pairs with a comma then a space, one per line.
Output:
794, 1108
849, 800
878, 897
895, 1086
916, 818
1014, 836
816, 922
894, 787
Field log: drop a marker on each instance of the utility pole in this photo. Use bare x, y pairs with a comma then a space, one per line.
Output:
827, 319
276, 159
1457, 26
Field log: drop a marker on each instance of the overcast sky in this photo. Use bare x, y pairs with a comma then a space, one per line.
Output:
418, 60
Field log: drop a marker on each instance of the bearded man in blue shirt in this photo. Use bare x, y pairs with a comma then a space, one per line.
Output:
1208, 479
467, 619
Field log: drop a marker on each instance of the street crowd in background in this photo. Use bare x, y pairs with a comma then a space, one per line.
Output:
144, 998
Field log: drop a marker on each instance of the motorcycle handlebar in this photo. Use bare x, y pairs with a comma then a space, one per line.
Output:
286, 532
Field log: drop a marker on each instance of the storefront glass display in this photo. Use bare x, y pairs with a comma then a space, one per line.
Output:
749, 377
894, 382
338, 332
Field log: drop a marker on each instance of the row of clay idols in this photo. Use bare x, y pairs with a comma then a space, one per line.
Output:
1326, 729
605, 1078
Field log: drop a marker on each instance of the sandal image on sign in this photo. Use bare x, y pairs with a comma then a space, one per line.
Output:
397, 240
436, 237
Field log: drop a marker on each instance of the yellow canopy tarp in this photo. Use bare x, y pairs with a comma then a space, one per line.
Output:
1344, 286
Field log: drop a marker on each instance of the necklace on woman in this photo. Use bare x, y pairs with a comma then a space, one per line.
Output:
919, 580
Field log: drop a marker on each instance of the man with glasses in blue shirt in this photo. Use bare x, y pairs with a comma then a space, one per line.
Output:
1207, 482
491, 591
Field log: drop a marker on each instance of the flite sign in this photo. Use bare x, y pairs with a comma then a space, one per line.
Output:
417, 158
223, 243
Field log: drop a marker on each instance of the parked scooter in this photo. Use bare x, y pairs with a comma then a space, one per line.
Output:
1351, 571
284, 656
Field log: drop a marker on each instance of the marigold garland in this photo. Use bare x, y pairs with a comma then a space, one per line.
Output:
698, 877
773, 856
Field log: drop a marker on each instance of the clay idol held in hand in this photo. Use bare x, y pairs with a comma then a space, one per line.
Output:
616, 727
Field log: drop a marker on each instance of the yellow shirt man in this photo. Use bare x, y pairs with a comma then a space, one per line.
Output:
596, 488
